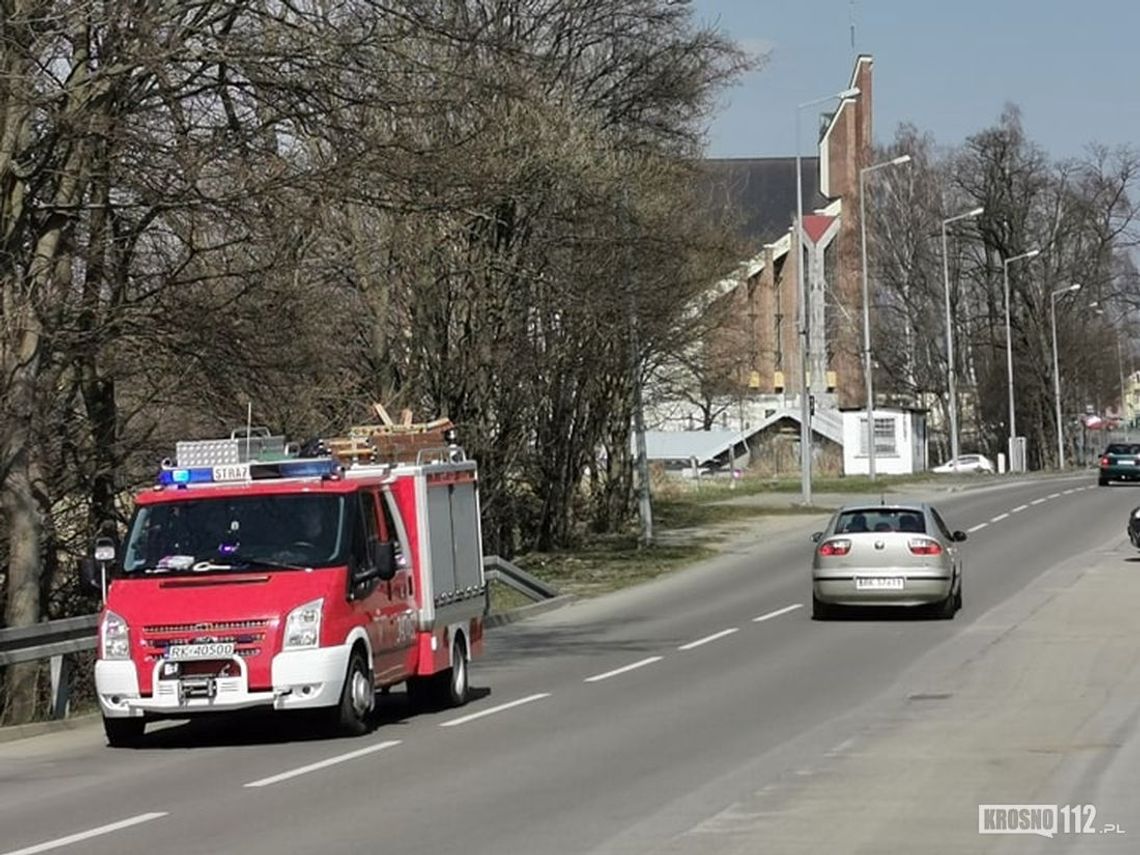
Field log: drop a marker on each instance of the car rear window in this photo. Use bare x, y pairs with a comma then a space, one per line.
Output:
881, 520
1121, 448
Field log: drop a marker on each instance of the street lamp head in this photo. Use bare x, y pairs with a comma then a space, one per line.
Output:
977, 212
1076, 286
1032, 253
853, 92
901, 159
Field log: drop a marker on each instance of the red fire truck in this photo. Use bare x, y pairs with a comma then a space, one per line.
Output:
254, 576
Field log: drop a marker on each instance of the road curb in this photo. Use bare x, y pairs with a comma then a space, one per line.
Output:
38, 728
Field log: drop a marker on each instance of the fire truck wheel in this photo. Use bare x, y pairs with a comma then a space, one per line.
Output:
458, 689
356, 698
124, 732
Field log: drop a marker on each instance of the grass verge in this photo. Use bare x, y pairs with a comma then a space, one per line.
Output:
688, 529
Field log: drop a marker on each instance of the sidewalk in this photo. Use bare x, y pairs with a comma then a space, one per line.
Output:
1037, 703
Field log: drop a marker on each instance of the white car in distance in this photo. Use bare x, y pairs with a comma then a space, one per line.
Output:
966, 463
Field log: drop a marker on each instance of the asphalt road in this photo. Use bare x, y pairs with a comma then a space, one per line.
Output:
615, 725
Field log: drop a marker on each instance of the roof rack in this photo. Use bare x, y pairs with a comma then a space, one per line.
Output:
386, 442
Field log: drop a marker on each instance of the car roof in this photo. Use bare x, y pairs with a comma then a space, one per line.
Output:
920, 507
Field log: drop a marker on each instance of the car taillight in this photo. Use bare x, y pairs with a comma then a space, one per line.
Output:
1104, 461
923, 546
835, 547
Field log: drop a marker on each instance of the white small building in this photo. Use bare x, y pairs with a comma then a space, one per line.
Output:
900, 441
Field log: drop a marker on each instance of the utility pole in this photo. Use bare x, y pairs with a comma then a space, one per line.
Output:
645, 500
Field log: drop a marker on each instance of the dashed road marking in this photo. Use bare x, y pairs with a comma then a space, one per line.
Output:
492, 710
999, 518
641, 664
1019, 509
323, 764
978, 527
714, 637
777, 613
60, 842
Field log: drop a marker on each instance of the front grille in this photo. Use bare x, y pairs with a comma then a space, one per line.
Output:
206, 626
158, 637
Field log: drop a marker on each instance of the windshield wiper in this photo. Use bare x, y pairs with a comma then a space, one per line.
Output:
254, 561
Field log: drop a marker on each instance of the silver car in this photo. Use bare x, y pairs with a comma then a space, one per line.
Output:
898, 554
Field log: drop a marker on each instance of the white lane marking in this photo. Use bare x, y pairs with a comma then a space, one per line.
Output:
323, 764
778, 612
1067, 492
1019, 509
87, 835
1038, 502
492, 710
999, 518
632, 666
709, 638
978, 527
1054, 495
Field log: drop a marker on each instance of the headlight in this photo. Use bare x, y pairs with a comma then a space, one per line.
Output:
115, 635
1136, 514
303, 626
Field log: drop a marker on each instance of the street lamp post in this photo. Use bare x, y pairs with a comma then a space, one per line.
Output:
805, 402
867, 376
1009, 346
1056, 371
952, 371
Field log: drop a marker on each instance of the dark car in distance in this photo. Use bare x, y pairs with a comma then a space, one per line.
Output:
1120, 462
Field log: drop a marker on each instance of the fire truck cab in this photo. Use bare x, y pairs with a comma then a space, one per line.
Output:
252, 576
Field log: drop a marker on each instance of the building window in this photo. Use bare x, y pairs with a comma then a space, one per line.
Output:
884, 436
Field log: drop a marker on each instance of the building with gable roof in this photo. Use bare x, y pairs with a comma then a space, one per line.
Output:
756, 355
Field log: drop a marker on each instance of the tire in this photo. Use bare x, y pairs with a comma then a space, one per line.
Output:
357, 698
821, 610
453, 687
958, 596
1102, 482
946, 609
124, 732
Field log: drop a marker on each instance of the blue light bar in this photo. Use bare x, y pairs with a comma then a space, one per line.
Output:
181, 476
321, 468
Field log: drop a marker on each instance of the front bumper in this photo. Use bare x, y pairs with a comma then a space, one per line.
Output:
302, 679
916, 591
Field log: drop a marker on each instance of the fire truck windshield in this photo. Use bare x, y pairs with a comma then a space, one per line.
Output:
216, 534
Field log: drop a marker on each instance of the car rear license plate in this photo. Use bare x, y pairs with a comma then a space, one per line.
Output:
879, 583
1125, 462
210, 650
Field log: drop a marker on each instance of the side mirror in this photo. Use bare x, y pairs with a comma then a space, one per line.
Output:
959, 536
816, 537
104, 550
384, 559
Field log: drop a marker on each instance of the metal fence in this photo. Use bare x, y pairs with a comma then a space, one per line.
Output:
58, 639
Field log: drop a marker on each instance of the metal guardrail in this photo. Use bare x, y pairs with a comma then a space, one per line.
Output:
56, 639
44, 640
496, 569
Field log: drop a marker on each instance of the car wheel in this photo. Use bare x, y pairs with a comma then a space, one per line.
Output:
357, 697
451, 688
947, 608
124, 732
821, 610
958, 596
1103, 482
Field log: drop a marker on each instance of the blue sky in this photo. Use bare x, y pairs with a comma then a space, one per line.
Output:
948, 66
